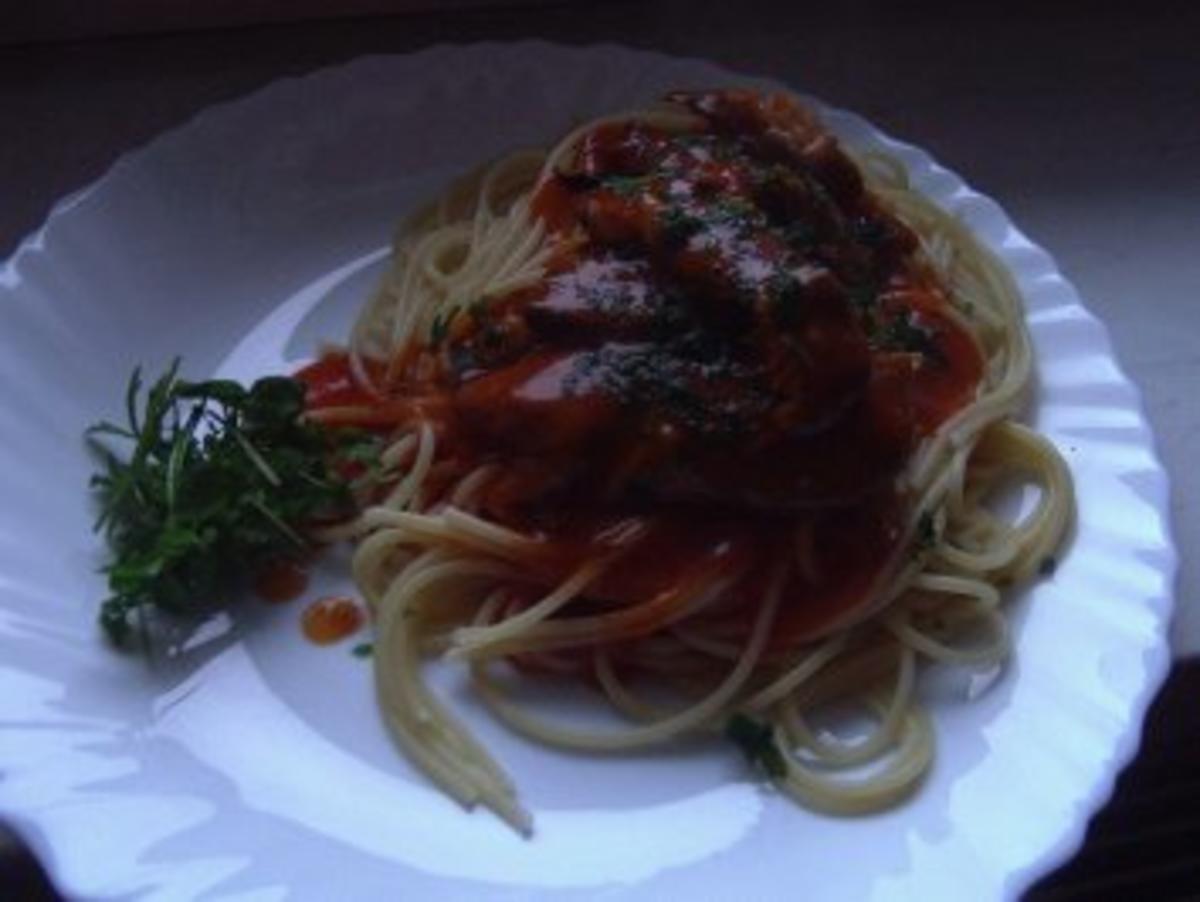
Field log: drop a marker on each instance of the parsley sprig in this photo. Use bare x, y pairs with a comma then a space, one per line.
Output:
219, 482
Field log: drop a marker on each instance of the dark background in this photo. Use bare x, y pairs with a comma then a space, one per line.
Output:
1082, 118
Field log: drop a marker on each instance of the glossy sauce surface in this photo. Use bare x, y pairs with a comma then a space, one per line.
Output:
329, 383
739, 348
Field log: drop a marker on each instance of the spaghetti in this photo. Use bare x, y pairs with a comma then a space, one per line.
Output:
693, 402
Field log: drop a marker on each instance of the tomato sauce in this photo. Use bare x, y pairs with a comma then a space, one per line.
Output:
331, 619
329, 382
741, 347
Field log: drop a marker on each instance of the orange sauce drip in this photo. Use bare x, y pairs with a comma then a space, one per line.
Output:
330, 619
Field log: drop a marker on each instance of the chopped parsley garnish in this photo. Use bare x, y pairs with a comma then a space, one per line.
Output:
678, 226
799, 234
627, 185
786, 298
870, 232
219, 483
735, 210
901, 333
863, 295
757, 742
691, 381
439, 328
489, 334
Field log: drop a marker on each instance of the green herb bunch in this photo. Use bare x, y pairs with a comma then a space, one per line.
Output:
220, 482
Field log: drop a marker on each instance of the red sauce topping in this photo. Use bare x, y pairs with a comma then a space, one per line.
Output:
329, 383
281, 581
328, 620
741, 349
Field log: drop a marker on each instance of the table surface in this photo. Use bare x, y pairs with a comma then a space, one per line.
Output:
1084, 122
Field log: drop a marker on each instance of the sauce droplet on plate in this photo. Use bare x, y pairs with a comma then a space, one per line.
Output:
327, 620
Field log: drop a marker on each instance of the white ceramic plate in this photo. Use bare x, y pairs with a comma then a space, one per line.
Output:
255, 766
